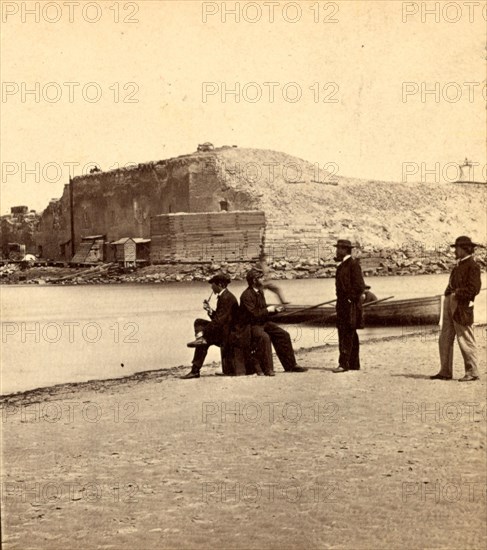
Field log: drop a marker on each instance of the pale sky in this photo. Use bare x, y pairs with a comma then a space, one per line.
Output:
170, 53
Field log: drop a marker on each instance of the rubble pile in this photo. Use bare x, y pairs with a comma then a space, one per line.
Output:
303, 202
375, 263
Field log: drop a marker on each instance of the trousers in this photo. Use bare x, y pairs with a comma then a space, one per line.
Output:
267, 335
465, 338
348, 346
211, 336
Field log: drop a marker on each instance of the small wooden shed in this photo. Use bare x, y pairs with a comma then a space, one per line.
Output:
89, 251
130, 250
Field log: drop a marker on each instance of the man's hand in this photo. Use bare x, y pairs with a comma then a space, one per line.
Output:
275, 309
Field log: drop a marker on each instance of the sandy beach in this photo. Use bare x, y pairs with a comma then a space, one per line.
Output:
381, 458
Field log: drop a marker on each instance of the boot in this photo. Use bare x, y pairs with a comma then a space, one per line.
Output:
193, 373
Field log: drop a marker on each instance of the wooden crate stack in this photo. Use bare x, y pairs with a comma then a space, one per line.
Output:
207, 236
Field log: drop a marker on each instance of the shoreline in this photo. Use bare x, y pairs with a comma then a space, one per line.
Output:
396, 263
168, 283
35, 395
312, 460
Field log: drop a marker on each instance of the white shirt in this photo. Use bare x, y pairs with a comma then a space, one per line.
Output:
345, 259
218, 294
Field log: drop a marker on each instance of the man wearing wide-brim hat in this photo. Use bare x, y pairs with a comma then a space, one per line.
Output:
350, 286
463, 286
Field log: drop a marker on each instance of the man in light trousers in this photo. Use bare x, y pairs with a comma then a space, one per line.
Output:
463, 286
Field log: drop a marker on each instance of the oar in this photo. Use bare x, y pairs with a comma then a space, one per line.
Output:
307, 308
377, 301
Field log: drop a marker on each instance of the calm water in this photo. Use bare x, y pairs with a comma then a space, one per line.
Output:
53, 335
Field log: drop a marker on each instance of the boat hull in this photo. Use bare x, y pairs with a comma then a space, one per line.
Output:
415, 311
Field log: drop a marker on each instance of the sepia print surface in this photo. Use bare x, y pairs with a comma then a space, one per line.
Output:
197, 197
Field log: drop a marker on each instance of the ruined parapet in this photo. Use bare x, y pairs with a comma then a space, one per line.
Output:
204, 147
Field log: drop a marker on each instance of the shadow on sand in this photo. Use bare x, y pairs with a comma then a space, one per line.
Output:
416, 376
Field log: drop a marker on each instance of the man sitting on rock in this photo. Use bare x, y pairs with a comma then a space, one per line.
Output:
217, 331
264, 333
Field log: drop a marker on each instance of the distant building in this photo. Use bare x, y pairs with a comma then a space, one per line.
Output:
16, 210
470, 173
20, 228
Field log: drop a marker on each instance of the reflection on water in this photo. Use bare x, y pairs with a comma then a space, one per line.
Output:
52, 335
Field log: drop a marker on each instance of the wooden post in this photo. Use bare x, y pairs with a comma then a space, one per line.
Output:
71, 215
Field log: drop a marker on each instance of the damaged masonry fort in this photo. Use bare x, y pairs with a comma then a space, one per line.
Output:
230, 204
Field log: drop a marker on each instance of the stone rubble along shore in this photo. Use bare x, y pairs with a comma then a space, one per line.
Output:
387, 264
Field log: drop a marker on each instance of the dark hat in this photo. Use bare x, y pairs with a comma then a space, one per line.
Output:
344, 242
220, 278
464, 241
254, 273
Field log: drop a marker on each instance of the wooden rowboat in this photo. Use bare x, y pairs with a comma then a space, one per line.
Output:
414, 311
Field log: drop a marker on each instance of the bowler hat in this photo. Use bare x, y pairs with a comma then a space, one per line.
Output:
464, 241
220, 278
344, 242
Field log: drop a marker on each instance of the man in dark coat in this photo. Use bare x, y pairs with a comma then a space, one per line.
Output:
349, 289
255, 312
368, 296
463, 286
217, 330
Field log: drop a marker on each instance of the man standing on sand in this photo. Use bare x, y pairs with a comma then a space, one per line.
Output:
349, 289
265, 334
463, 286
215, 332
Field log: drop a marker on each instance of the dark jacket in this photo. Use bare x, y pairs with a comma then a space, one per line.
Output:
225, 316
465, 281
350, 286
253, 307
